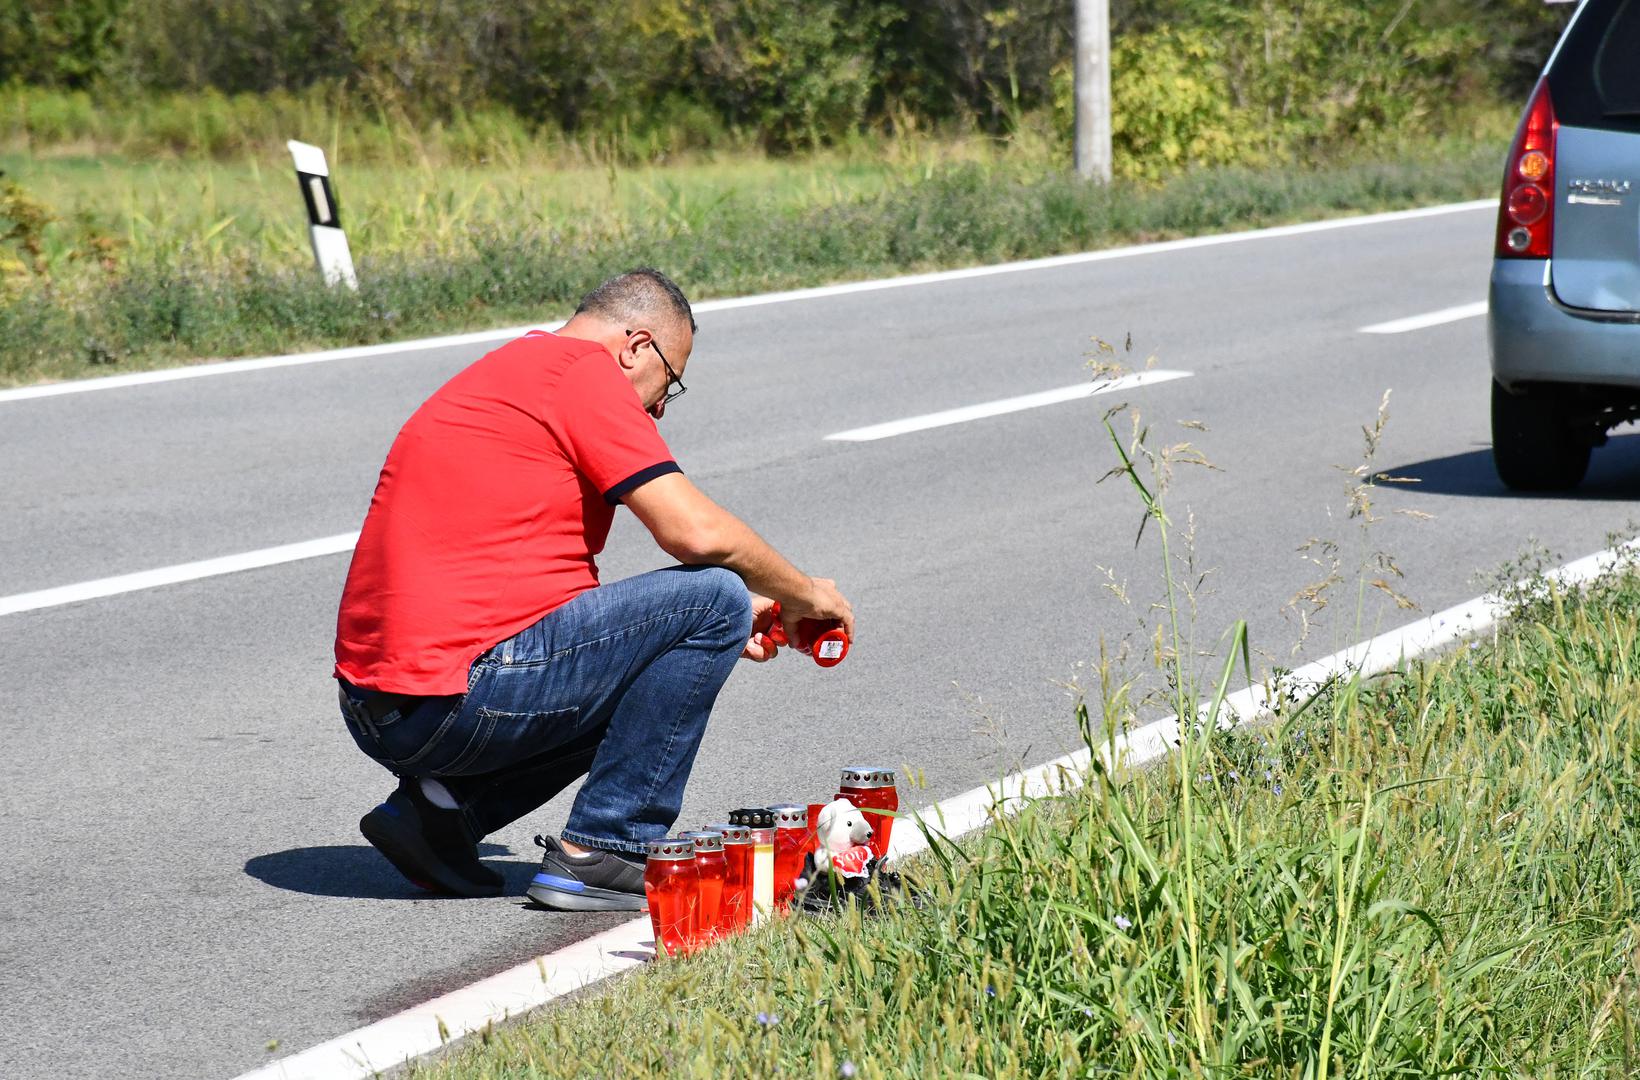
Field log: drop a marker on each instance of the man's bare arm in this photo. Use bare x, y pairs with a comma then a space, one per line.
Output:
696, 531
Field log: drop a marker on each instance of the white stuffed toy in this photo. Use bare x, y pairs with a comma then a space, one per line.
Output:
842, 831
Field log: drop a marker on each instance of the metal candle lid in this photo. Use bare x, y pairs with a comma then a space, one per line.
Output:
790, 816
705, 839
733, 834
752, 817
672, 849
867, 776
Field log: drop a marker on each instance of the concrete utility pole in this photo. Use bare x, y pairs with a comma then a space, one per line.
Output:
1093, 89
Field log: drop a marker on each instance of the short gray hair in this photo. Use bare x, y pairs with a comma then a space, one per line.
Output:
637, 295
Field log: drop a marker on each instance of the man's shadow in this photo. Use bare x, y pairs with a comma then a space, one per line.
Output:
359, 871
1614, 474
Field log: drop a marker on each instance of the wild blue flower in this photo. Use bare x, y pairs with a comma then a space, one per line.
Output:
990, 991
1123, 922
767, 1019
846, 1069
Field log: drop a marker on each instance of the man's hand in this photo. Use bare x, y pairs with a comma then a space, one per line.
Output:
760, 648
823, 602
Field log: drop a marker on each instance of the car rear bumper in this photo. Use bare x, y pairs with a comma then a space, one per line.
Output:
1535, 338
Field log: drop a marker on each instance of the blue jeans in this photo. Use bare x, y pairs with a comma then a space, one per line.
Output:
617, 684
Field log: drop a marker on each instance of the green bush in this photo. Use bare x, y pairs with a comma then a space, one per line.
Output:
1195, 81
1171, 107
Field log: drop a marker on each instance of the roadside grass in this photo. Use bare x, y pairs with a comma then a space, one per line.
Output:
149, 265
1429, 873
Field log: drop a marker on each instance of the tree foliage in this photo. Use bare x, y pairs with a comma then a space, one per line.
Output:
1187, 73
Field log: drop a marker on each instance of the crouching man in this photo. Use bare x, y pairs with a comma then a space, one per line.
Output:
478, 657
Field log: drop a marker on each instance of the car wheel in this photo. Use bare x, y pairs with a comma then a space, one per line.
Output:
1535, 444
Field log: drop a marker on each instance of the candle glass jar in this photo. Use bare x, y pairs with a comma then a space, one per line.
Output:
712, 870
736, 913
760, 823
823, 640
670, 884
872, 788
791, 828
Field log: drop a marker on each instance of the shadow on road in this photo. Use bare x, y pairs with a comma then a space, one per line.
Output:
1614, 473
359, 871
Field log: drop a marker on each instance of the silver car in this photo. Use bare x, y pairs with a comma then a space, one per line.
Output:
1564, 315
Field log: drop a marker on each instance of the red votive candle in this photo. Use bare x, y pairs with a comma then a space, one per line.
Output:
811, 842
712, 870
823, 640
736, 913
791, 826
670, 883
870, 787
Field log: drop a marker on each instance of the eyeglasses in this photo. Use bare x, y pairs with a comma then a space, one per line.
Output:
672, 379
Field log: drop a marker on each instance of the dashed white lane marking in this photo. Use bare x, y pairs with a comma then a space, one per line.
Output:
1005, 405
478, 1007
335, 545
262, 363
171, 575
1433, 318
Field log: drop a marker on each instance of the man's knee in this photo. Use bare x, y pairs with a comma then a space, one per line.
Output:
726, 594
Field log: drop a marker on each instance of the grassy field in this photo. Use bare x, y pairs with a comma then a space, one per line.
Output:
219, 214
124, 265
1429, 874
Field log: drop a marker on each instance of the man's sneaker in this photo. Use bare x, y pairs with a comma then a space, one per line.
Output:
596, 881
428, 845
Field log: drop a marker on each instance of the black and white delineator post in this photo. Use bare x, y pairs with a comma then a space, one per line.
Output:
324, 226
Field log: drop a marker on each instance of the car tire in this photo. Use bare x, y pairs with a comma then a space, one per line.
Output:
1535, 444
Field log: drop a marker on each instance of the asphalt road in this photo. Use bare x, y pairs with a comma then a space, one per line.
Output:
183, 880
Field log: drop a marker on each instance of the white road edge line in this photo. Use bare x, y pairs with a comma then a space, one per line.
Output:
1005, 405
171, 575
478, 1007
262, 363
1433, 318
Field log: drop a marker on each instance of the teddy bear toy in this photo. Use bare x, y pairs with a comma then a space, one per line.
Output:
842, 870
842, 833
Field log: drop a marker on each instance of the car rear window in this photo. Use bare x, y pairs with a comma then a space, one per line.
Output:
1595, 79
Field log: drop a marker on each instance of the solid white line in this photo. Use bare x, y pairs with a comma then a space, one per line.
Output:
229, 367
1005, 405
479, 1007
171, 575
1434, 318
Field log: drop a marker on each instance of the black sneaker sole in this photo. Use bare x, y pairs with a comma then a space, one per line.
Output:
586, 898
410, 856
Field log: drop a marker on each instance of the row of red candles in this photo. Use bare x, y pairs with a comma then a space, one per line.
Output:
706, 885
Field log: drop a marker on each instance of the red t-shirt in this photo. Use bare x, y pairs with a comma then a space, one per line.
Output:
494, 500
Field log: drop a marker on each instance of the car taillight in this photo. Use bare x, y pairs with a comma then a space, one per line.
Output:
1526, 213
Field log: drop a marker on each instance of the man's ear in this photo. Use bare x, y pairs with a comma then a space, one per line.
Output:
628, 356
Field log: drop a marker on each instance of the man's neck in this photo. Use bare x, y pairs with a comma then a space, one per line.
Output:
591, 328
